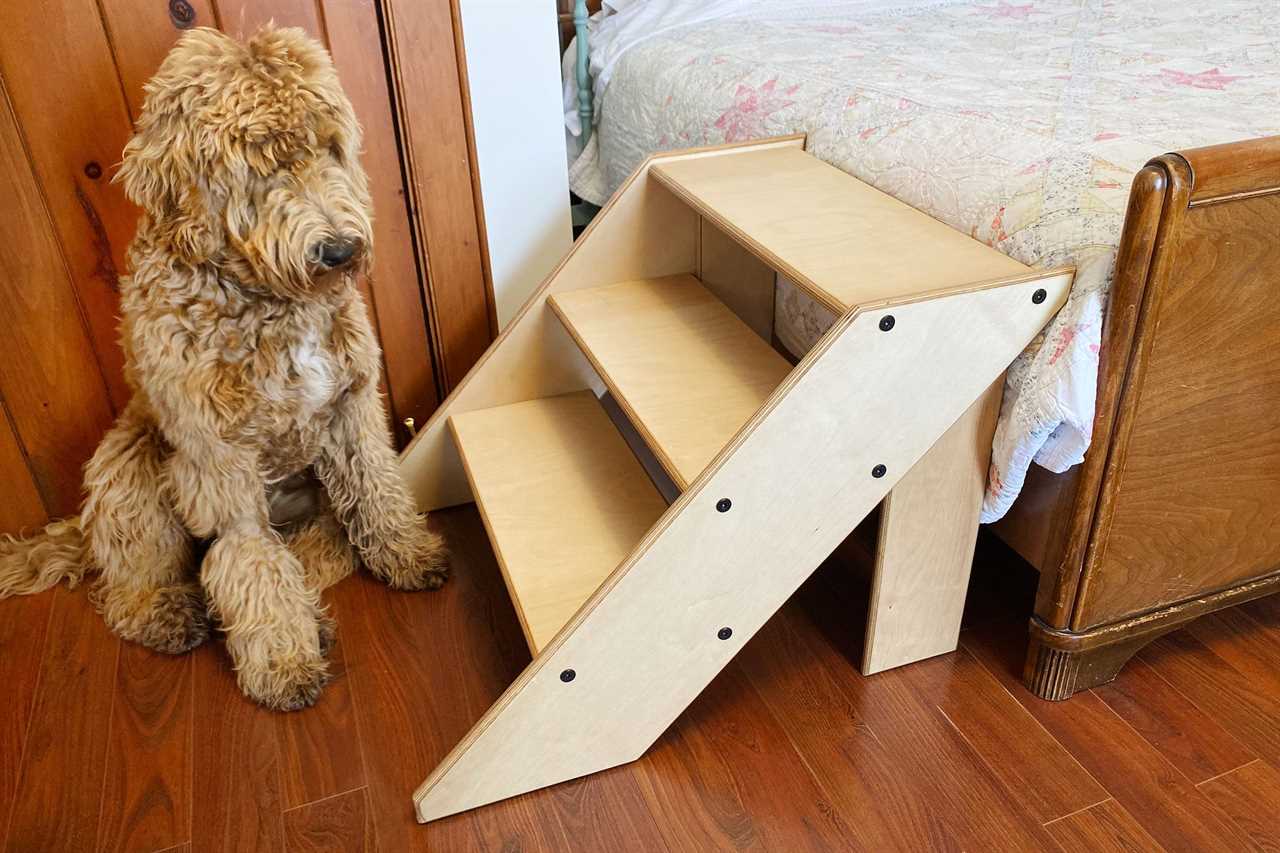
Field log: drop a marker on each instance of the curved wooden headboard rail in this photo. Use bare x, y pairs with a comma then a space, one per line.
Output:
1226, 172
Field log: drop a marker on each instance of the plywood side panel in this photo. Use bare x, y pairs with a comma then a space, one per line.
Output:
49, 378
72, 114
799, 477
928, 528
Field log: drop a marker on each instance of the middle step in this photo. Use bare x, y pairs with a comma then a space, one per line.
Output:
686, 371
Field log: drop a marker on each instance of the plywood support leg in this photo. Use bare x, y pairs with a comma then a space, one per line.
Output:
928, 529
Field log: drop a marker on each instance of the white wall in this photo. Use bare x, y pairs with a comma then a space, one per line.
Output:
513, 67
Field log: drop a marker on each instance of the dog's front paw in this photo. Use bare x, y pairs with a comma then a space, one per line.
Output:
171, 619
423, 563
285, 685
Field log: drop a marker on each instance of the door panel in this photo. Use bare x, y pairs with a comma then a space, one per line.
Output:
63, 125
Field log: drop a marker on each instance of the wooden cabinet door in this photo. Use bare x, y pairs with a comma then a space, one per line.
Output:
71, 77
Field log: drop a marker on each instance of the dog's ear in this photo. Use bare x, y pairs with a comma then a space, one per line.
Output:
159, 178
159, 171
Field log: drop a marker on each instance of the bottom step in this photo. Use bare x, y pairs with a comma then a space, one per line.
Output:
563, 498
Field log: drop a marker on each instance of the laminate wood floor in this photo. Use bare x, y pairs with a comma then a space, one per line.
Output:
106, 746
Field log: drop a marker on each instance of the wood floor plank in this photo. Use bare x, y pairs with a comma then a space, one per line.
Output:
146, 799
319, 746
423, 668
1105, 828
1190, 739
1164, 803
1265, 611
704, 779
1030, 762
795, 672
61, 781
338, 824
236, 797
1243, 705
791, 749
24, 623
604, 811
976, 809
1251, 796
1251, 648
465, 642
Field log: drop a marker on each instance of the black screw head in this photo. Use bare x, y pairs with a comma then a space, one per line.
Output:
886, 322
879, 471
725, 633
1039, 296
723, 505
92, 170
568, 675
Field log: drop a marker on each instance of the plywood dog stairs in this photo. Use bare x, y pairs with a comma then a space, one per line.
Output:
631, 606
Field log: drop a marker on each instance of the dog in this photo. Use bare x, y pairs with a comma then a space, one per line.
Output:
256, 427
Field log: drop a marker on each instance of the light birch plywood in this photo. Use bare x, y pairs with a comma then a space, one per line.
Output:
842, 241
924, 553
799, 478
563, 500
644, 232
738, 279
684, 368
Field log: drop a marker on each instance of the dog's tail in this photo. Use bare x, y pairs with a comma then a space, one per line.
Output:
33, 565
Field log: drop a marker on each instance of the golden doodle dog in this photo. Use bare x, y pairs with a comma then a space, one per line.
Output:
256, 423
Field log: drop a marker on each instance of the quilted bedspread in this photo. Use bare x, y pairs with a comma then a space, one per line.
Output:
1019, 123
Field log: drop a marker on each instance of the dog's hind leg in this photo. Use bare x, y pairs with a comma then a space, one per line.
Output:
321, 544
361, 473
148, 592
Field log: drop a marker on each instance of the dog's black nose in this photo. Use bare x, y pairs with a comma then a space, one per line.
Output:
338, 252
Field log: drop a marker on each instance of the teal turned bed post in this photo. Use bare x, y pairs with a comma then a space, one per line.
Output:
585, 112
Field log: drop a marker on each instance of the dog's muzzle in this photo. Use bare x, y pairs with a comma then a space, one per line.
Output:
339, 253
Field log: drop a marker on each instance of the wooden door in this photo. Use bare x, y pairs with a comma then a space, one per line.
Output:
71, 77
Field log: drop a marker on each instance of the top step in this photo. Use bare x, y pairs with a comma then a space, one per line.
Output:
844, 242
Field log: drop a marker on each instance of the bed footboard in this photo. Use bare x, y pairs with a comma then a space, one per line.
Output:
1176, 510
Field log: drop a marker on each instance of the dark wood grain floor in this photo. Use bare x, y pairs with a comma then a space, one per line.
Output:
105, 746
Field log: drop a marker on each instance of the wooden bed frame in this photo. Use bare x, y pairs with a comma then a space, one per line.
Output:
1175, 512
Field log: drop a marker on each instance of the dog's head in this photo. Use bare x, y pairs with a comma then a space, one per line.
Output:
245, 158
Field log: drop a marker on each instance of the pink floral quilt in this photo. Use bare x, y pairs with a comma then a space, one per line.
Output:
1019, 123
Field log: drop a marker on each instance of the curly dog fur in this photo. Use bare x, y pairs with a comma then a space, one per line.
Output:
255, 421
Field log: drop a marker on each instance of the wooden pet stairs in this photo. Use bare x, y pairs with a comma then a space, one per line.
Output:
665, 308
